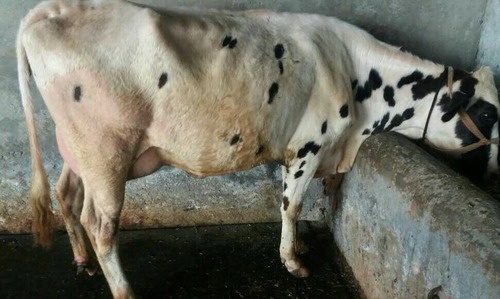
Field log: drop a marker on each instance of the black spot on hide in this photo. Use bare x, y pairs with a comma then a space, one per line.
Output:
163, 80
279, 50
374, 82
354, 83
398, 119
324, 127
235, 139
381, 124
413, 77
311, 146
389, 96
344, 111
273, 91
408, 113
226, 40
77, 93
428, 85
233, 43
286, 202
298, 174
375, 79
431, 84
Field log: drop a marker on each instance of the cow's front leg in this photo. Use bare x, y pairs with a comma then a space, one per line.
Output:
69, 192
350, 151
296, 177
331, 185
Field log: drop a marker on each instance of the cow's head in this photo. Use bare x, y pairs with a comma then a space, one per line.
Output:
484, 111
474, 96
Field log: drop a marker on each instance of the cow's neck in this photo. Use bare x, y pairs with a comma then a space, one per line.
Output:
394, 89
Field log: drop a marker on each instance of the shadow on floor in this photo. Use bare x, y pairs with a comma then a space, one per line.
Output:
234, 261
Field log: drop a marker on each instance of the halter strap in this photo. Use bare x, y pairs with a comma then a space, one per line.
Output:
434, 100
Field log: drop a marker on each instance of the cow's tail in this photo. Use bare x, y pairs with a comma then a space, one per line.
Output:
43, 224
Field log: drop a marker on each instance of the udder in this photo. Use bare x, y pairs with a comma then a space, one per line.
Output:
147, 163
66, 155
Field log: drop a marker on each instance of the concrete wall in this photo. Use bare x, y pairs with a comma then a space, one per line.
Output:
444, 31
489, 44
406, 224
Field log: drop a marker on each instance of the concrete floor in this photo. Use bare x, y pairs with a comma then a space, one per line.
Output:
238, 261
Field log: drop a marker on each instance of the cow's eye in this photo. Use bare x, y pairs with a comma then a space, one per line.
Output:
486, 115
488, 118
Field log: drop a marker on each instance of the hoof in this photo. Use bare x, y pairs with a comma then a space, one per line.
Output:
90, 268
81, 265
344, 167
300, 273
296, 269
80, 269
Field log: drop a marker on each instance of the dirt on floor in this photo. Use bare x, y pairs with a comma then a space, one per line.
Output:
232, 261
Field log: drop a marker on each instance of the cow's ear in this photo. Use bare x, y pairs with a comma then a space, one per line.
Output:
461, 97
485, 75
468, 86
450, 107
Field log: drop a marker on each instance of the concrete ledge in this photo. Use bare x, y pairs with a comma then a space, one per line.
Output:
171, 198
406, 224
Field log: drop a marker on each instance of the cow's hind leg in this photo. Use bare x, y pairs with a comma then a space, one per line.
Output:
104, 195
69, 191
300, 169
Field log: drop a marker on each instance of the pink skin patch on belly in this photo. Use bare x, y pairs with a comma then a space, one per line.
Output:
66, 155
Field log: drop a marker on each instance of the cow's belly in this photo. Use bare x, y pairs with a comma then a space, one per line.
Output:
154, 158
215, 136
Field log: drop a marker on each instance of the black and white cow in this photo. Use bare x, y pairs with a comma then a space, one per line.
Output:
213, 92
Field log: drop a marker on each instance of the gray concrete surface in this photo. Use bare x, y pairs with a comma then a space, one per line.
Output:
432, 29
406, 225
489, 44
